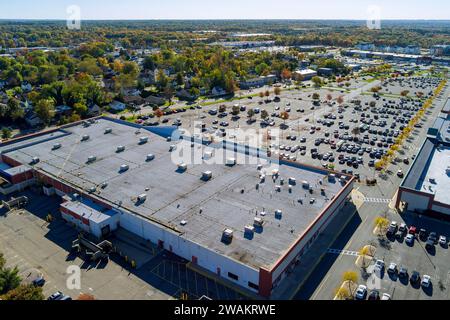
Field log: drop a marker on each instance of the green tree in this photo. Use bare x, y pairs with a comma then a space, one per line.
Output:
2, 261
9, 279
6, 133
45, 109
317, 81
25, 293
250, 113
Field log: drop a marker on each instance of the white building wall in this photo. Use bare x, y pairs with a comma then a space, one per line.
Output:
79, 225
207, 259
415, 201
338, 203
96, 228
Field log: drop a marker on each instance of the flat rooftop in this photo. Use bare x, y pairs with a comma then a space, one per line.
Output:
429, 171
229, 200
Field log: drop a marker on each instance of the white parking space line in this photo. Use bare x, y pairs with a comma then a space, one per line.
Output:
343, 252
377, 200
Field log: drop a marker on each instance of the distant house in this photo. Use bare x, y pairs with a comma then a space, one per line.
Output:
304, 74
218, 91
117, 106
132, 92
133, 100
325, 72
185, 95
32, 119
94, 110
258, 82
62, 110
154, 100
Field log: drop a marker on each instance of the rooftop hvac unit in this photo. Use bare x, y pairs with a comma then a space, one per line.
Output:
292, 181
332, 177
85, 137
108, 130
305, 184
35, 160
56, 146
150, 157
259, 168
169, 139
124, 167
143, 140
104, 185
120, 149
227, 234
207, 175
258, 222
275, 172
433, 180
182, 167
262, 178
183, 222
278, 188
142, 197
91, 159
172, 147
262, 213
230, 162
92, 189
249, 230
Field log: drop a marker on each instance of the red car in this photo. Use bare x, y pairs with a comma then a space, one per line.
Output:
412, 230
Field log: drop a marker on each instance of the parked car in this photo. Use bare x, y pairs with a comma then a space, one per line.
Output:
361, 292
379, 265
56, 296
443, 240
39, 282
415, 277
403, 273
374, 295
410, 239
392, 268
386, 296
426, 281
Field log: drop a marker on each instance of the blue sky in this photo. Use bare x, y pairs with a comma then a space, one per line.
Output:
225, 9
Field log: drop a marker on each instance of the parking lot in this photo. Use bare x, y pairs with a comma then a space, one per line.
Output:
415, 257
39, 248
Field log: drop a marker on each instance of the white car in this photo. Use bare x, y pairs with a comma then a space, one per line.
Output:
361, 292
426, 281
379, 265
393, 268
409, 239
443, 240
386, 296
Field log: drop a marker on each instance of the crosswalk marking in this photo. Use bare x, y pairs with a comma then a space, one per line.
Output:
343, 252
377, 200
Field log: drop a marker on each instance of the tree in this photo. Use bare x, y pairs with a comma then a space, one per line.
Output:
264, 114
267, 93
9, 279
315, 96
351, 277
235, 110
45, 109
261, 94
89, 65
317, 81
277, 91
25, 293
404, 93
2, 261
158, 113
222, 108
329, 97
356, 131
6, 134
250, 113
343, 293
340, 100
286, 74
149, 63
285, 116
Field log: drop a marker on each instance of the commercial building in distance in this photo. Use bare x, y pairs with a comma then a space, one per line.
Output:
234, 220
